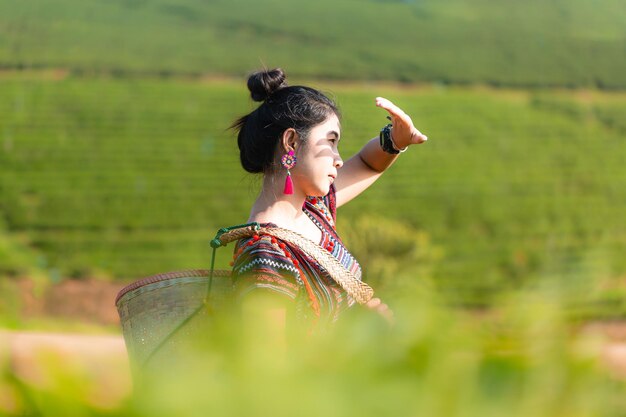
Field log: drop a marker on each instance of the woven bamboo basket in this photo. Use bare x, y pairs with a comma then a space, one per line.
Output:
159, 311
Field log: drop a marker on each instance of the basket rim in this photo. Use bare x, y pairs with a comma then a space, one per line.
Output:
169, 275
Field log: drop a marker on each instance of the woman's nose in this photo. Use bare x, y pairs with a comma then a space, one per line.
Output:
338, 162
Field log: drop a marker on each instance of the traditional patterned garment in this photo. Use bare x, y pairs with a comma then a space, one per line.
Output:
267, 263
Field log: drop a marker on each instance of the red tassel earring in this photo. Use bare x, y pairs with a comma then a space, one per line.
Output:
289, 161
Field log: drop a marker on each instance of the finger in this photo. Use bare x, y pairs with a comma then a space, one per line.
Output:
384, 308
388, 316
390, 107
373, 303
418, 137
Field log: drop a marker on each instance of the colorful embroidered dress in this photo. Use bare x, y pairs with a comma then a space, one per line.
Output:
267, 263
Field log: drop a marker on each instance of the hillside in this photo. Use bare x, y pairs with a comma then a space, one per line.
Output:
130, 178
569, 43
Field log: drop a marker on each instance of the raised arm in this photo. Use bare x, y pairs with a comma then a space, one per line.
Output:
360, 171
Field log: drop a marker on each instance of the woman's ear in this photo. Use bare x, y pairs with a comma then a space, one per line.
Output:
289, 139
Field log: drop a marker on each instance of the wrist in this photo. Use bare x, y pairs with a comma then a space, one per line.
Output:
396, 147
386, 141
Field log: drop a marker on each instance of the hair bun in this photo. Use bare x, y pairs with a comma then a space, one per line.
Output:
263, 83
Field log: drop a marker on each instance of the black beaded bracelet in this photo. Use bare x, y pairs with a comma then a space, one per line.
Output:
386, 141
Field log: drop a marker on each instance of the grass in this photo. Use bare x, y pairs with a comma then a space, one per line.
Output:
115, 162
568, 43
128, 178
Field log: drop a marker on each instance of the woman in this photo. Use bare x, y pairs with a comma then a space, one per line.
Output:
292, 138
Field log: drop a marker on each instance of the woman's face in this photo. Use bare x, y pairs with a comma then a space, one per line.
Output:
318, 159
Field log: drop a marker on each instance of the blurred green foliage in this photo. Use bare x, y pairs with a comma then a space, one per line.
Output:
569, 43
391, 253
523, 359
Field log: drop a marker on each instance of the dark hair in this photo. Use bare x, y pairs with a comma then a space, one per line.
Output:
283, 107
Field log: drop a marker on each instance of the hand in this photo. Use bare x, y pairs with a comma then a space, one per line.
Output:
404, 132
381, 308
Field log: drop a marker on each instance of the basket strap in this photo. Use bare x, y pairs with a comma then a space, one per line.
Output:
357, 289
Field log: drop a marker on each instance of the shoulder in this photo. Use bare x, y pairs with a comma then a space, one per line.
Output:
258, 251
263, 262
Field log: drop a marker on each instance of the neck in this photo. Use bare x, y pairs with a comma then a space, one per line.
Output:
272, 205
